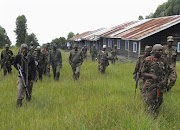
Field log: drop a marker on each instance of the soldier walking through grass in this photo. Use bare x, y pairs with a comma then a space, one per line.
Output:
76, 60
155, 76
46, 64
170, 53
6, 60
114, 54
56, 62
103, 59
93, 52
26, 64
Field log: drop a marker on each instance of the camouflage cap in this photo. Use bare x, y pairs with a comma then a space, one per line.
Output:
148, 48
24, 46
75, 45
104, 46
7, 46
157, 47
170, 39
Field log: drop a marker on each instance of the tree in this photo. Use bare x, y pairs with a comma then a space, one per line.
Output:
62, 41
140, 17
70, 35
4, 39
21, 30
31, 37
56, 41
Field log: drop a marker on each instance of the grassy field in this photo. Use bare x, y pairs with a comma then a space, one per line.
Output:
95, 101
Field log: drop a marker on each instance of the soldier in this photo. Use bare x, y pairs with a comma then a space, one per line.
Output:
155, 76
84, 50
56, 62
46, 67
114, 54
76, 60
103, 59
39, 59
31, 48
139, 65
93, 52
170, 53
6, 60
28, 69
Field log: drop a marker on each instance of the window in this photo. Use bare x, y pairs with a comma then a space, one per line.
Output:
127, 45
104, 41
118, 44
134, 47
109, 43
178, 48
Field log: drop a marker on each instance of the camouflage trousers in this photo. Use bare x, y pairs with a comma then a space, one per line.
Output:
93, 57
152, 98
114, 58
102, 68
76, 71
46, 69
21, 92
172, 78
39, 73
56, 71
6, 68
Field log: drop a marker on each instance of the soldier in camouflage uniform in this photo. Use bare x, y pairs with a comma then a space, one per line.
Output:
114, 54
6, 60
170, 53
46, 67
103, 59
76, 60
31, 48
139, 65
55, 59
93, 52
155, 76
84, 50
39, 59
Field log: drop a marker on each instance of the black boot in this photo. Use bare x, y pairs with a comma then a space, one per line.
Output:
19, 103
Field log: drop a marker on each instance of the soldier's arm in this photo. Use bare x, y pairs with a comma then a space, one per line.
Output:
60, 58
82, 58
137, 66
70, 57
33, 67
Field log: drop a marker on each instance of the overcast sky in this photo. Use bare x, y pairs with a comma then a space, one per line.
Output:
50, 19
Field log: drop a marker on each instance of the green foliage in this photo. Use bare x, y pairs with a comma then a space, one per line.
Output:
70, 35
140, 17
4, 39
21, 30
31, 37
59, 41
94, 102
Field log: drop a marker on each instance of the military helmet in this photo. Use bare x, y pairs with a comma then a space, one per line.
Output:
170, 39
7, 46
104, 46
157, 47
148, 48
38, 48
24, 46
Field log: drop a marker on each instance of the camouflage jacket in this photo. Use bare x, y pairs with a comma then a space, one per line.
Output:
103, 58
55, 57
39, 59
170, 54
139, 64
76, 57
6, 57
158, 67
46, 56
114, 52
93, 51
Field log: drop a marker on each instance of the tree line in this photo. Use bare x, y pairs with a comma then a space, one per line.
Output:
169, 8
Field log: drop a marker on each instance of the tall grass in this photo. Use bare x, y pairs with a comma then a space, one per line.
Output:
95, 101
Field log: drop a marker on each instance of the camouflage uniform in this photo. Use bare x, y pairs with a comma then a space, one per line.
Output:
76, 60
39, 59
84, 50
170, 53
139, 65
153, 90
103, 59
56, 62
31, 48
6, 60
114, 54
93, 53
46, 67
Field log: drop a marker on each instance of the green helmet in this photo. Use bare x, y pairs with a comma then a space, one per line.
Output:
7, 46
24, 46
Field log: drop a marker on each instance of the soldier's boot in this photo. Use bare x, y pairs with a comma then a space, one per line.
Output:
19, 103
57, 76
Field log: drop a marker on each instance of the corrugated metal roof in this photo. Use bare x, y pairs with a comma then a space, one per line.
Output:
148, 28
78, 37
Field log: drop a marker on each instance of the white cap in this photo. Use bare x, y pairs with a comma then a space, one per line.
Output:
104, 46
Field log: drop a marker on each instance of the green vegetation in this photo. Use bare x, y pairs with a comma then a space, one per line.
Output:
94, 102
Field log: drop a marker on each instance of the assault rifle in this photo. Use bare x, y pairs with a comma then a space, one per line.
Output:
136, 79
22, 78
